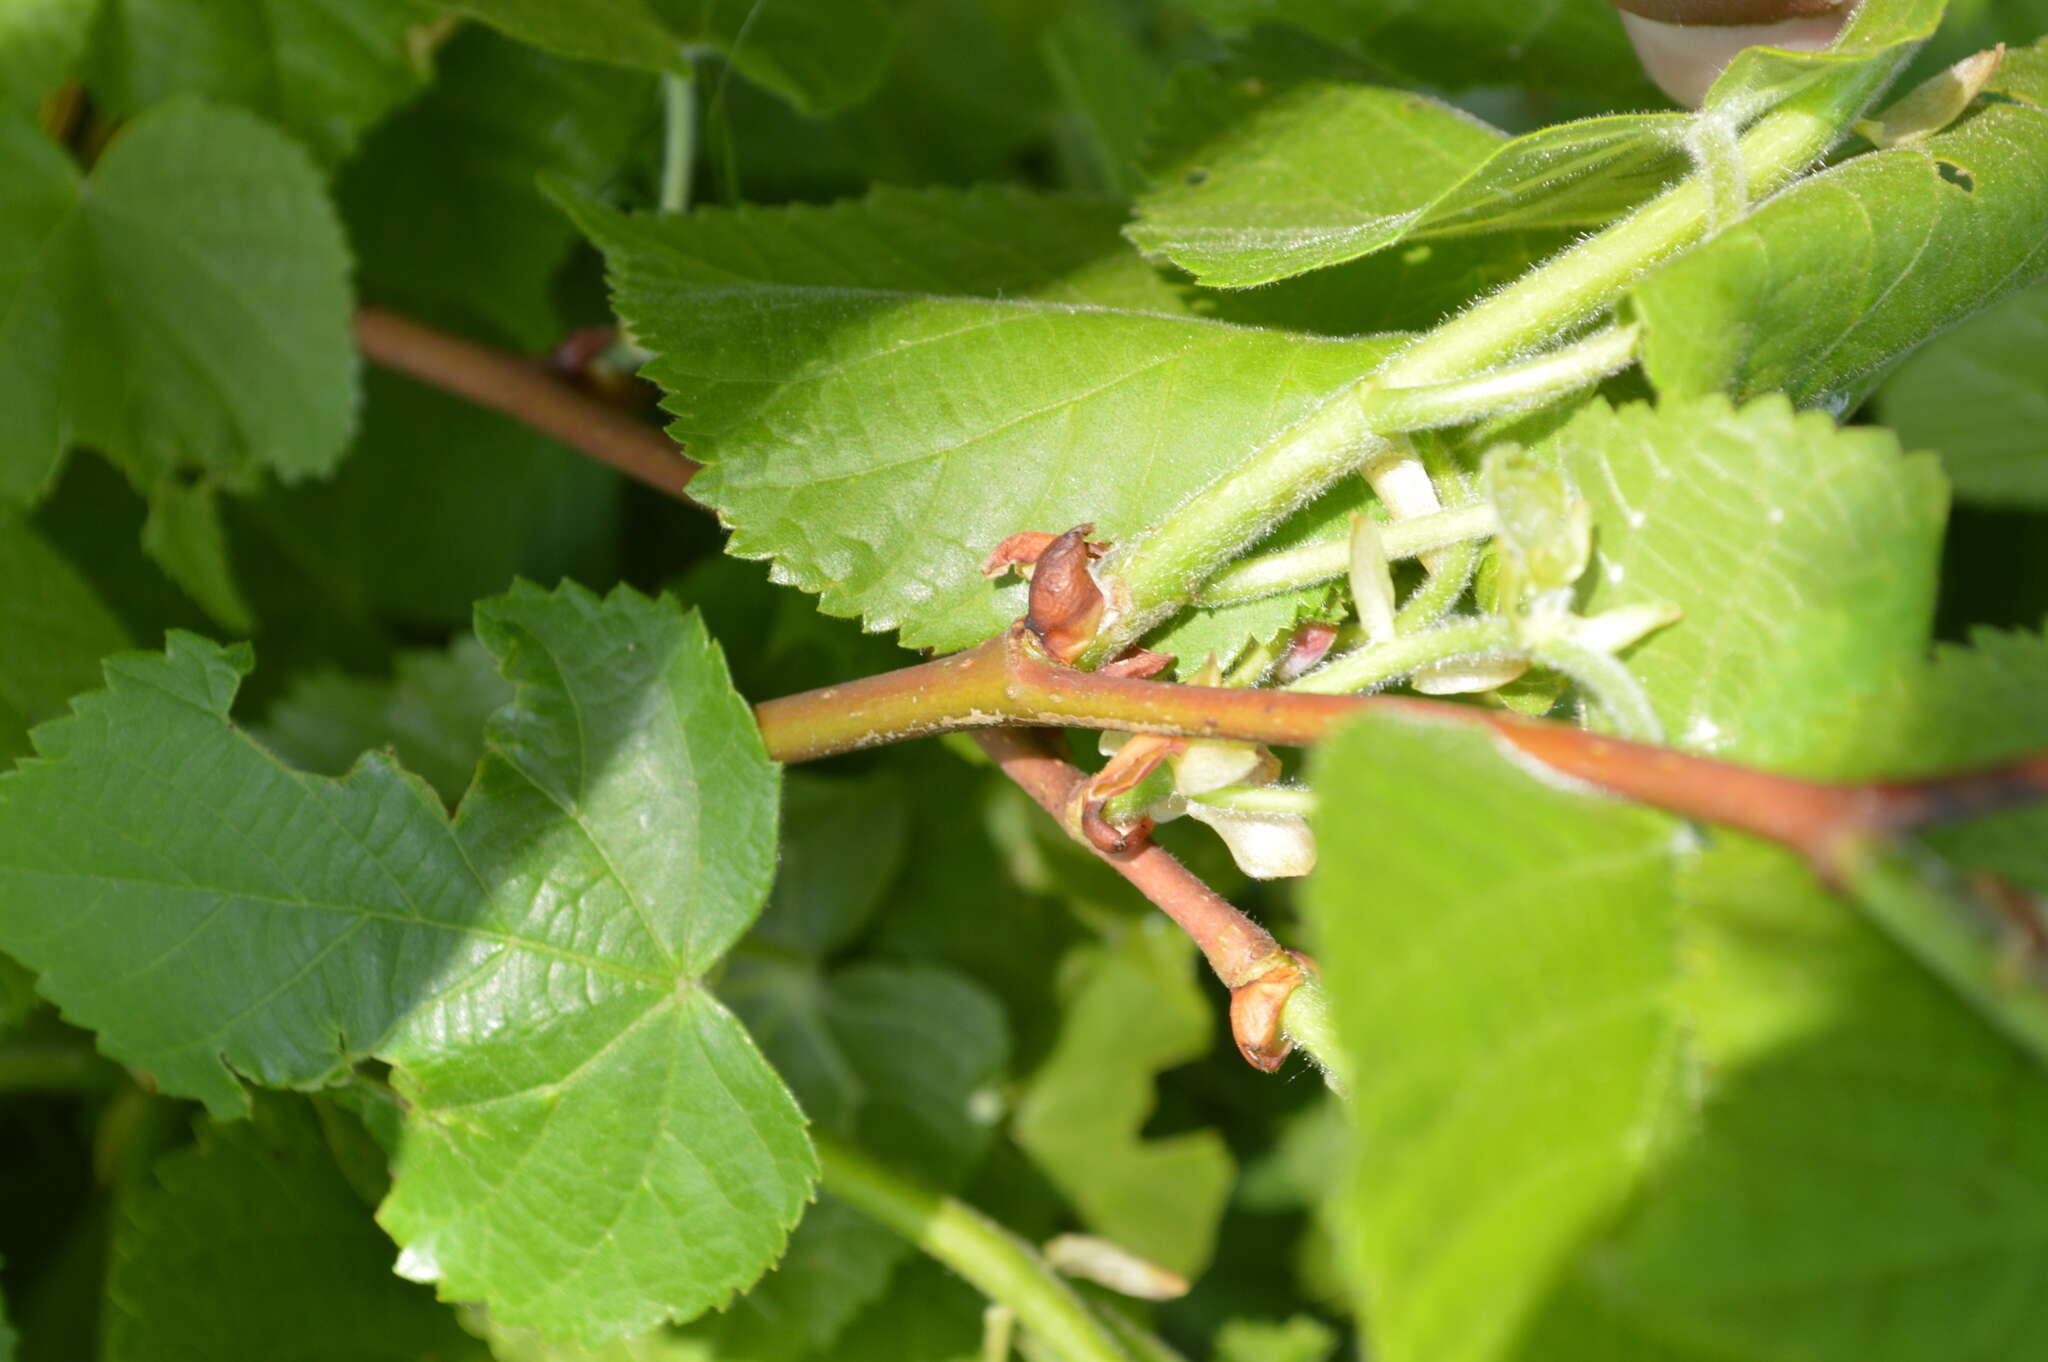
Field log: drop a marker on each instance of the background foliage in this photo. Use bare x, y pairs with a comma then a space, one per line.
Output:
411, 952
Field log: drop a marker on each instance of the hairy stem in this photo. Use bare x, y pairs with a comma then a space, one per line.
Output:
999, 1264
1378, 663
1293, 569
1149, 576
526, 392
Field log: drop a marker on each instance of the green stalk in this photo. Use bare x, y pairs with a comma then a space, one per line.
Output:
678, 139
1269, 799
1379, 663
1307, 1021
1612, 686
1293, 569
1003, 1267
1152, 575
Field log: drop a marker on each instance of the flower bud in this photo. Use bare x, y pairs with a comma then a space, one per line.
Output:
1685, 44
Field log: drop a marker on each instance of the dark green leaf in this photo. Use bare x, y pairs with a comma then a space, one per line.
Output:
322, 69
431, 713
186, 304
842, 846
884, 391
185, 537
1979, 397
444, 205
40, 42
54, 629
253, 1245
531, 970
1821, 290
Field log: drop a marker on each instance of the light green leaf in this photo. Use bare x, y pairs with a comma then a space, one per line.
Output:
468, 233
431, 713
1804, 558
532, 970
1259, 177
1979, 397
883, 391
252, 1244
322, 69
1132, 1008
1108, 82
818, 54
1500, 953
54, 629
187, 303
1568, 45
1821, 290
1300, 1339
40, 42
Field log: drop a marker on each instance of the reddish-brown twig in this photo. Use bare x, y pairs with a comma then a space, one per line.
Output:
527, 392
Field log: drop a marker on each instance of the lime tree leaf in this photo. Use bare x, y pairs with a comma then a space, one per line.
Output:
1108, 82
1500, 953
1979, 397
843, 844
40, 42
185, 537
1258, 177
54, 629
1825, 287
443, 204
1803, 556
884, 391
902, 1058
377, 536
322, 69
1570, 45
431, 713
253, 1244
532, 970
187, 303
1132, 1009
1854, 1105
818, 54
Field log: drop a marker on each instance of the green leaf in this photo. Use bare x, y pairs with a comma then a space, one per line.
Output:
1821, 290
843, 844
1570, 45
395, 534
40, 42
443, 205
1300, 1339
1132, 1008
1108, 82
1804, 558
532, 970
819, 54
185, 537
1979, 396
1259, 177
905, 1058
54, 629
322, 69
1500, 954
883, 391
431, 713
187, 304
253, 1244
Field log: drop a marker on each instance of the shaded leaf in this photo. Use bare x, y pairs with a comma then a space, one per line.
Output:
1818, 292
54, 629
185, 304
1803, 556
530, 970
322, 69
843, 845
40, 42
253, 1244
185, 537
430, 713
443, 204
1132, 1009
819, 54
1979, 397
1300, 1339
883, 391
